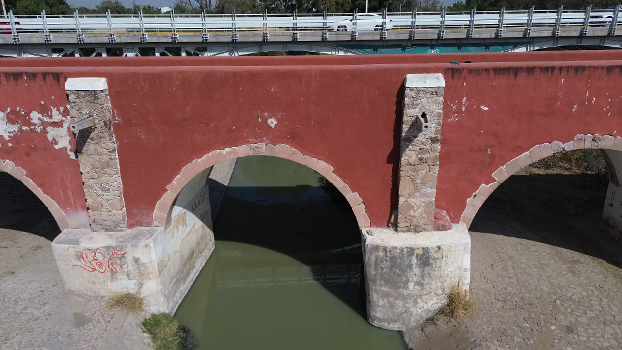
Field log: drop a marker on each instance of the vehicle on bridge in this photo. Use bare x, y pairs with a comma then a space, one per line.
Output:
5, 27
364, 21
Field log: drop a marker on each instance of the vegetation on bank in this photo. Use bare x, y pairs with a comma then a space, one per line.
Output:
166, 333
583, 161
127, 301
458, 305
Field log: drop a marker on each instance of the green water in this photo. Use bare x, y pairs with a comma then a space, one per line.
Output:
287, 269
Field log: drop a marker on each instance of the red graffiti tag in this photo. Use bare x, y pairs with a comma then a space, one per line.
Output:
100, 259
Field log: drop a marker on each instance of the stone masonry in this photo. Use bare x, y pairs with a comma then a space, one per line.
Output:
96, 149
420, 147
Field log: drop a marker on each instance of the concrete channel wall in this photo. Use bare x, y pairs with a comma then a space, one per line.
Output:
158, 264
612, 211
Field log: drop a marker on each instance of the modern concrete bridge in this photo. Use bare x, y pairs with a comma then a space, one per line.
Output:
120, 151
341, 34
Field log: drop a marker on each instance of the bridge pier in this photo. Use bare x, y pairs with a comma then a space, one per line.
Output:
409, 272
157, 263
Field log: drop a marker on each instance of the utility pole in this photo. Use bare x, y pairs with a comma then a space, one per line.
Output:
4, 8
365, 5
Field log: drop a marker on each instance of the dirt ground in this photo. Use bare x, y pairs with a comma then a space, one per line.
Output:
36, 312
543, 273
543, 276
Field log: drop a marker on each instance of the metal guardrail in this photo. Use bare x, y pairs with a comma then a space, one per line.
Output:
142, 24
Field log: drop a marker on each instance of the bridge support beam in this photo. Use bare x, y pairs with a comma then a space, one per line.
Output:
612, 211
420, 147
158, 264
96, 147
408, 273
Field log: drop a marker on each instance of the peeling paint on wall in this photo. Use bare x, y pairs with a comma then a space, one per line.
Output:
58, 136
6, 129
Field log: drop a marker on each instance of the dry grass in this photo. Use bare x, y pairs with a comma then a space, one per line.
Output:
584, 161
166, 333
128, 302
458, 304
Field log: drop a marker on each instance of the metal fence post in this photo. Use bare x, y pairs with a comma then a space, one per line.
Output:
413, 25
265, 35
295, 35
441, 33
586, 21
174, 35
501, 17
80, 36
529, 22
111, 37
143, 35
205, 34
558, 21
234, 30
355, 31
471, 24
614, 21
13, 29
325, 27
46, 31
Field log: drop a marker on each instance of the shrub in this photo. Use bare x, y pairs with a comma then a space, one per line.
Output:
128, 302
458, 304
166, 333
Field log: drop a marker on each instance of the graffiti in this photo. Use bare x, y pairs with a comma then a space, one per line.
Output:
100, 260
613, 193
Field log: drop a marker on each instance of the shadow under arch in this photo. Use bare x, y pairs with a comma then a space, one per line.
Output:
537, 152
162, 211
19, 174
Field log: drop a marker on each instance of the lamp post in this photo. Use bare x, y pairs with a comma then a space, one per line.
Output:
365, 5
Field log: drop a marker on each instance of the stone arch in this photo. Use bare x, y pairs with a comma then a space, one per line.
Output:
162, 209
20, 174
589, 141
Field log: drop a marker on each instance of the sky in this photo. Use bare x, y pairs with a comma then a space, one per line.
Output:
156, 3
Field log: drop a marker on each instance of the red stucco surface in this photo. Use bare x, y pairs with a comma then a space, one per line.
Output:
51, 169
343, 110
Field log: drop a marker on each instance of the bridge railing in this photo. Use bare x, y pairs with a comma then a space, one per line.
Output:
179, 23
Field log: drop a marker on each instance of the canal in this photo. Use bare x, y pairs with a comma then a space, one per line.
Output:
287, 271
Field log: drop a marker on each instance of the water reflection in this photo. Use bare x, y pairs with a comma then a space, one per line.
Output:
287, 269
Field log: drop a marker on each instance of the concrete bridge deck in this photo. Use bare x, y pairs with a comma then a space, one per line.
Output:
342, 34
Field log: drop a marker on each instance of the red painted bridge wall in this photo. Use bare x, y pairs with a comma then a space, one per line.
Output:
343, 110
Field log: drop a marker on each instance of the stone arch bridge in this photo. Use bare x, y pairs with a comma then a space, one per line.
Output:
120, 152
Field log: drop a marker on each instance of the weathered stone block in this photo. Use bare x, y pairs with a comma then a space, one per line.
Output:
546, 150
408, 276
587, 141
500, 175
512, 167
419, 146
557, 146
579, 141
607, 142
98, 158
535, 154
523, 160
